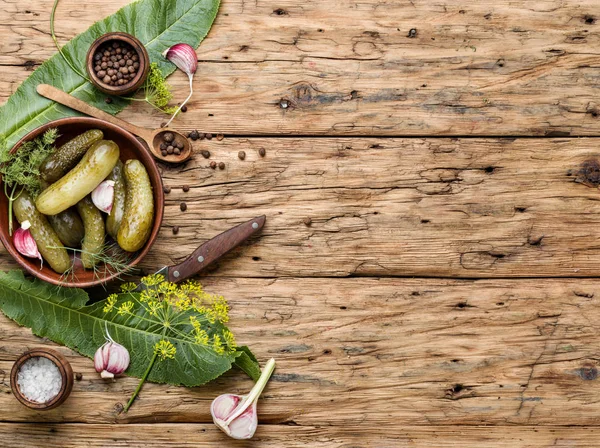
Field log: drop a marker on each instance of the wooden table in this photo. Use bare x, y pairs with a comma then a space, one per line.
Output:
428, 272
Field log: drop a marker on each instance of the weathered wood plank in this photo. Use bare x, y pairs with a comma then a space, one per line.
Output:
350, 68
202, 435
391, 207
372, 352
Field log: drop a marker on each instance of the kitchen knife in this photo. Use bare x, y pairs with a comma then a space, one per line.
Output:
211, 251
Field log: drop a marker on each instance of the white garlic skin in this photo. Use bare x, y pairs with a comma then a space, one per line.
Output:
103, 196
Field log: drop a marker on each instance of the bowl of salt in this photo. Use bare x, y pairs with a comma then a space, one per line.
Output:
41, 379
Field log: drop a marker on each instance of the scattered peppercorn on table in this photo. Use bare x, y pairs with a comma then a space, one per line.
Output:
428, 273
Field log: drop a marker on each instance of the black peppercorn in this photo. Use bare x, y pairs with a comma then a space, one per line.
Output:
184, 109
194, 135
79, 376
183, 206
186, 188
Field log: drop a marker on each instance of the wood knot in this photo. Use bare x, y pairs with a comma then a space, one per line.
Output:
412, 33
588, 373
589, 173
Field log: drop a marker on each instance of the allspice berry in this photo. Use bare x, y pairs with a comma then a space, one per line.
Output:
175, 230
183, 206
241, 155
213, 165
186, 188
205, 154
222, 165
262, 152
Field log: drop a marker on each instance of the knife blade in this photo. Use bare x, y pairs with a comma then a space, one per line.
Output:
210, 251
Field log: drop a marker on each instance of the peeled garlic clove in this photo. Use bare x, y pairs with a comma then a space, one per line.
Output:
24, 242
184, 57
103, 196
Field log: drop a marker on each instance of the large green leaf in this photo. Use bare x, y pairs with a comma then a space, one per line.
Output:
158, 24
61, 315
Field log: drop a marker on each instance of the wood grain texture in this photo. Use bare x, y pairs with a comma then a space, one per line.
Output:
201, 435
390, 207
367, 356
366, 352
355, 68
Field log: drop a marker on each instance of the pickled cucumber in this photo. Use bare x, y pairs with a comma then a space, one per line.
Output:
47, 240
69, 227
97, 163
66, 157
113, 220
139, 208
93, 241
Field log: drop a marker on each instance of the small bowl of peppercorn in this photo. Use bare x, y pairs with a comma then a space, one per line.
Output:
118, 63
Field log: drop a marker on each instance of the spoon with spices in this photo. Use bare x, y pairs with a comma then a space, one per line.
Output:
165, 144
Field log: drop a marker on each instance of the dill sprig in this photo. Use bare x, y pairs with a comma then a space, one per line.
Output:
181, 311
111, 260
20, 170
157, 92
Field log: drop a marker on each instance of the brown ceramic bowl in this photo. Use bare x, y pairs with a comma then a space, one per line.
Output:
66, 372
130, 148
141, 75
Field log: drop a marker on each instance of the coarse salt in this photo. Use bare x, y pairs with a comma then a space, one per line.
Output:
39, 379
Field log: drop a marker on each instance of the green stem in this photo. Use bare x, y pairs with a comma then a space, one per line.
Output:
255, 392
137, 390
52, 14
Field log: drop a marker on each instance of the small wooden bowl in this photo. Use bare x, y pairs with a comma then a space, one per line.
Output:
130, 148
66, 372
141, 75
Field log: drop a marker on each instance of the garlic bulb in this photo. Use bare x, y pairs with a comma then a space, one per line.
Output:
111, 359
24, 242
186, 60
103, 195
236, 415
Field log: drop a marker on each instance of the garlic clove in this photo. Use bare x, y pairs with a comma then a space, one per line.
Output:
236, 415
224, 405
111, 359
99, 359
244, 426
103, 196
184, 57
24, 242
118, 359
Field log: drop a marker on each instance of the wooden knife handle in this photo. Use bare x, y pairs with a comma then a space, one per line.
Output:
214, 249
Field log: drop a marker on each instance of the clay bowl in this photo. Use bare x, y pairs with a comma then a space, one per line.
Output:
66, 372
131, 148
142, 72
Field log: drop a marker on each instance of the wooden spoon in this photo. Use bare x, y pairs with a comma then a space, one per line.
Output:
152, 138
